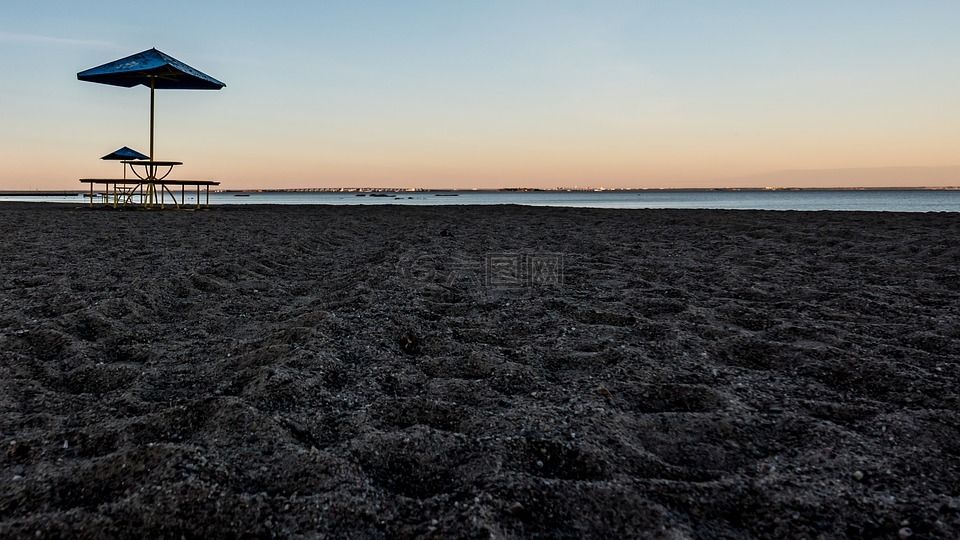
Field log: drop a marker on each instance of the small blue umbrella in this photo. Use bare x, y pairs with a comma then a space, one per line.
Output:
124, 153
152, 69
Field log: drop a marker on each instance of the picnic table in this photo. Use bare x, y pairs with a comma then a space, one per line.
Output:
148, 189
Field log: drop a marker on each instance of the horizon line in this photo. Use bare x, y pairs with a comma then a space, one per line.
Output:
361, 190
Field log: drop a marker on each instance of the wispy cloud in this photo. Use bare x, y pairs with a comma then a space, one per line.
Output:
10, 37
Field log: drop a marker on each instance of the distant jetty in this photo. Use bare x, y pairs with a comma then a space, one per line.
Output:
382, 191
41, 194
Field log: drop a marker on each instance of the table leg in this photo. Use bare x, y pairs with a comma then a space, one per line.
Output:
172, 195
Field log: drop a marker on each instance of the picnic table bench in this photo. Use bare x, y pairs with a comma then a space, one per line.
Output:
123, 191
148, 186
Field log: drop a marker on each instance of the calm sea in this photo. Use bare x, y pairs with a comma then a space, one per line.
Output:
875, 201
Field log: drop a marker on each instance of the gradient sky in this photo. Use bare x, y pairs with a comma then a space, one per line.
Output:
489, 93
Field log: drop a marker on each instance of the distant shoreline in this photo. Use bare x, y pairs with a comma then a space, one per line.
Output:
364, 190
577, 190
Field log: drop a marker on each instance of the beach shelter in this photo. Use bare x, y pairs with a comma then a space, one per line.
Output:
124, 154
152, 69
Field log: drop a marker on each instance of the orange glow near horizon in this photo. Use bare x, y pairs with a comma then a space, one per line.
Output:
544, 168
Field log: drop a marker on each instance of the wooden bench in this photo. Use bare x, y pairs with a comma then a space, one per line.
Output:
124, 190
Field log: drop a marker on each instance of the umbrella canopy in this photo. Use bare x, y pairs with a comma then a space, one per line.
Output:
152, 69
124, 153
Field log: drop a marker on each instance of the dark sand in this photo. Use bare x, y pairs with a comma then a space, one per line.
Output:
360, 372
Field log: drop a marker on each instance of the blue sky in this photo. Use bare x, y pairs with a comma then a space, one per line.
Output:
488, 93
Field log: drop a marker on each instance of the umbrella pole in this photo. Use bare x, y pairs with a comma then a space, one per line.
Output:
152, 87
150, 170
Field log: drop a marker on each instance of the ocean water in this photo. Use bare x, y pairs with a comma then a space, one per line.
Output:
842, 200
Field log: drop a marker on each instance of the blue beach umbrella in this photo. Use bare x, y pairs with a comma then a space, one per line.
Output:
124, 153
154, 70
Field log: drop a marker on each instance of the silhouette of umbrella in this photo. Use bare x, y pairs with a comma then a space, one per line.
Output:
154, 70
124, 153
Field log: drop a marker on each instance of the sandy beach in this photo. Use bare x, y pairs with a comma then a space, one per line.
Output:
475, 372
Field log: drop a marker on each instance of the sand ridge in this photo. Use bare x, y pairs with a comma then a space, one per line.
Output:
382, 371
